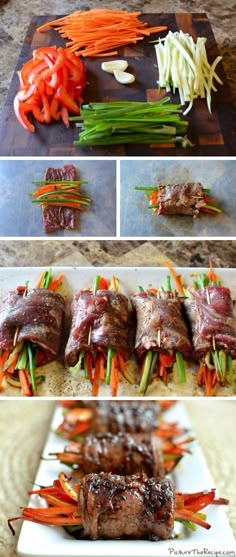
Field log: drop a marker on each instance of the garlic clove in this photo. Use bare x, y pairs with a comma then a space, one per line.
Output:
124, 77
113, 65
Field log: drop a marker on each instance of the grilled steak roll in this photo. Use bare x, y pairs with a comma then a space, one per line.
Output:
39, 317
180, 199
133, 416
211, 314
122, 454
98, 321
160, 324
126, 506
58, 218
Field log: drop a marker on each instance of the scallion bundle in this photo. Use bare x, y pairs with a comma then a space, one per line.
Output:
110, 123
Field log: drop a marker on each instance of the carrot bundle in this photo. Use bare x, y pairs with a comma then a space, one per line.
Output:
100, 32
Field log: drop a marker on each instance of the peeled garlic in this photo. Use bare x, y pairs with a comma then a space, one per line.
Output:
124, 77
113, 65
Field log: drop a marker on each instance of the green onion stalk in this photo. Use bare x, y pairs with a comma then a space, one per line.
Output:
114, 123
152, 357
217, 362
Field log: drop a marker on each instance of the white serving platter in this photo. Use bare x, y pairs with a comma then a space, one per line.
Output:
190, 475
59, 382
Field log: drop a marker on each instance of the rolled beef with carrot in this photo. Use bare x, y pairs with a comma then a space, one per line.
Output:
37, 318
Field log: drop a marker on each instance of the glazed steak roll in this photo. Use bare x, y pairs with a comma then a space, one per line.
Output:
160, 324
98, 321
126, 506
58, 218
134, 416
180, 199
122, 454
211, 314
39, 317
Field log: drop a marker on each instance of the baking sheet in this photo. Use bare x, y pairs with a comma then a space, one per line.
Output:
191, 475
59, 382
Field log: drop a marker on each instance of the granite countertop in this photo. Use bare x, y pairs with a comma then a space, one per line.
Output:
120, 253
28, 423
16, 15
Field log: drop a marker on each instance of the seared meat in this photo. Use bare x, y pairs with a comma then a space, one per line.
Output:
160, 324
180, 199
122, 454
126, 506
98, 321
39, 316
133, 416
211, 314
58, 218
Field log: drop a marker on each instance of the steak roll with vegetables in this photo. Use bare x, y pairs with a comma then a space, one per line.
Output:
111, 506
161, 333
37, 317
123, 453
126, 506
31, 331
103, 416
212, 320
188, 198
99, 337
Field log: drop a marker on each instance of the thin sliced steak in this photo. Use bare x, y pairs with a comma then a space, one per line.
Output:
98, 321
58, 218
160, 324
39, 316
135, 506
123, 453
180, 199
211, 314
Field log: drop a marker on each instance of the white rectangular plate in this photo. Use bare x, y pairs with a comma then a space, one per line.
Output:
191, 475
59, 382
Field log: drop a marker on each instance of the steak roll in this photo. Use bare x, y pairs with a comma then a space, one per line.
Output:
121, 454
212, 320
103, 416
181, 199
37, 317
160, 324
99, 321
133, 416
135, 506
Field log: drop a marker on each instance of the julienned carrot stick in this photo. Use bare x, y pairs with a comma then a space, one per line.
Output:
114, 376
211, 273
93, 33
176, 277
55, 283
24, 381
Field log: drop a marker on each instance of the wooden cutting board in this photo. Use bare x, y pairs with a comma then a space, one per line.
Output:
212, 134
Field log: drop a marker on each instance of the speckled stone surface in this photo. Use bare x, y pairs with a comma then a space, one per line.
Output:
136, 219
21, 457
22, 218
15, 16
120, 253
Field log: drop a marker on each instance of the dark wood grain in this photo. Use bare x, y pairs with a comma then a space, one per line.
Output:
212, 134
